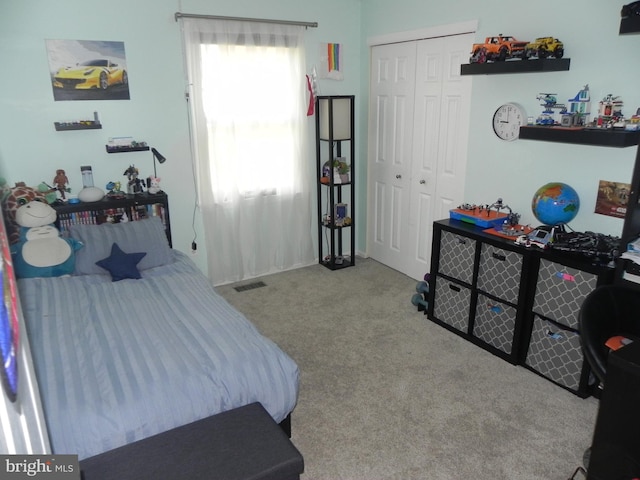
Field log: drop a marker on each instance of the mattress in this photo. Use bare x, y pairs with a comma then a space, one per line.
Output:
120, 361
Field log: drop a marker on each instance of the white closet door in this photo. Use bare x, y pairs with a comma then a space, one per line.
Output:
420, 175
392, 93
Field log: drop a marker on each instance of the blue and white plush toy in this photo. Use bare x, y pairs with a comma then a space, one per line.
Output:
41, 251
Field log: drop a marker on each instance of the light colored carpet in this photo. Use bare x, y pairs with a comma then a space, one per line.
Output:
387, 394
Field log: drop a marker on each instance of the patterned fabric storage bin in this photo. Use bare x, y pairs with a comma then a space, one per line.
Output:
495, 323
457, 255
560, 292
452, 303
555, 353
499, 272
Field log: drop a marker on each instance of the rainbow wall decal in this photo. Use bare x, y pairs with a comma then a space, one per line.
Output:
333, 57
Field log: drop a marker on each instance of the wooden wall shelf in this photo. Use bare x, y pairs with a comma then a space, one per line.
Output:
584, 136
516, 66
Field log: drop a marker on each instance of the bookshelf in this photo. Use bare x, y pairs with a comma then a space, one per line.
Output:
114, 210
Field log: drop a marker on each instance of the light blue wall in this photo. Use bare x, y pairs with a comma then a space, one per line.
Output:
599, 56
31, 150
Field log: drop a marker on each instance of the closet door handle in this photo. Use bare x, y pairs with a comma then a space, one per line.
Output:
422, 182
398, 176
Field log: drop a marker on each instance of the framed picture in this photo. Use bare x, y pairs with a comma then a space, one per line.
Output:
88, 70
612, 198
331, 64
340, 214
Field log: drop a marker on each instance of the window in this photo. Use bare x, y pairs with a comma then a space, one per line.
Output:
248, 101
249, 141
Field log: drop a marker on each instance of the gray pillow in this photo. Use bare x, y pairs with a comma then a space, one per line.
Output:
147, 235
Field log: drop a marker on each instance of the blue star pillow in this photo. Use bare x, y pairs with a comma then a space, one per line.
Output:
121, 265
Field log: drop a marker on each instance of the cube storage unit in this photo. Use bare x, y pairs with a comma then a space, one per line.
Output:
477, 284
500, 272
457, 257
554, 344
555, 353
453, 304
560, 291
519, 303
495, 323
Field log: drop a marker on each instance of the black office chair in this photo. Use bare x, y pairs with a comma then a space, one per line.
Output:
608, 311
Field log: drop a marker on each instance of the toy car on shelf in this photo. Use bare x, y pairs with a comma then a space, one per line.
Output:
499, 48
545, 119
544, 47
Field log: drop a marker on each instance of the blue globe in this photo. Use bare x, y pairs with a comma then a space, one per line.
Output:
555, 204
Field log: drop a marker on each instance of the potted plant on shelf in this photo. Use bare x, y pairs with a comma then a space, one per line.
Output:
340, 171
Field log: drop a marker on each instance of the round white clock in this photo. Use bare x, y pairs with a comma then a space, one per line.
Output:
507, 121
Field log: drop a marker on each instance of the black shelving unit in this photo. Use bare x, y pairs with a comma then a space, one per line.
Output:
335, 140
584, 136
516, 66
111, 209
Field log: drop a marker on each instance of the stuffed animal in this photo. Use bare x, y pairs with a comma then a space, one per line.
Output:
154, 185
14, 199
41, 251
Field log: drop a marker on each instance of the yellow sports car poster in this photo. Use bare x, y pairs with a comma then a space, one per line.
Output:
88, 70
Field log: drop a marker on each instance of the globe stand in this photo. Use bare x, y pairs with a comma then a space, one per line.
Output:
555, 205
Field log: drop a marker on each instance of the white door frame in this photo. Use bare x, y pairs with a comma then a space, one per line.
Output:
470, 26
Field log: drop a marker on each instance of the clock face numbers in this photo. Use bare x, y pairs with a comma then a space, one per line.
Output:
507, 121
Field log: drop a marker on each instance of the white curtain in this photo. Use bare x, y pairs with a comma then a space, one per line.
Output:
249, 133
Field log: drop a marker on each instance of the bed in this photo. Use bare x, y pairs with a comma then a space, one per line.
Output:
118, 361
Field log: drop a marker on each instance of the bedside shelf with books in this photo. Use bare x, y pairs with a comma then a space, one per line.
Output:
115, 210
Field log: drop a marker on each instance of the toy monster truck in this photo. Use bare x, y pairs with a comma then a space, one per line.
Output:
544, 47
498, 49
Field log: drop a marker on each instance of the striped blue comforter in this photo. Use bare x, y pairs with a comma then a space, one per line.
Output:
120, 361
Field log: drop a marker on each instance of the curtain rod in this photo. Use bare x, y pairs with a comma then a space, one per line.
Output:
244, 19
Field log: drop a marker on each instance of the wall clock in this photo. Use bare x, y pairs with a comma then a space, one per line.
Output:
507, 121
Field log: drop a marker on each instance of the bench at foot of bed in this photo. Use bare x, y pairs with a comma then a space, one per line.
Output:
243, 443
